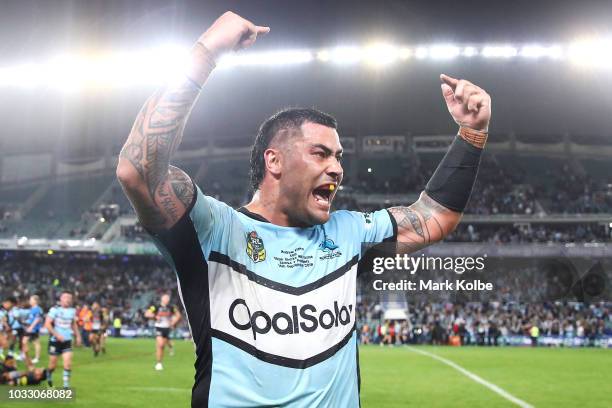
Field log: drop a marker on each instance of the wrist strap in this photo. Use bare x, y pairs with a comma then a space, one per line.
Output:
474, 137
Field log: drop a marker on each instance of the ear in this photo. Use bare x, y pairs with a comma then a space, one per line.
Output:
274, 162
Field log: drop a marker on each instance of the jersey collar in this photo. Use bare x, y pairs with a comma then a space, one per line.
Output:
252, 215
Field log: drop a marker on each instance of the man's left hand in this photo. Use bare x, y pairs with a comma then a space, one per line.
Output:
468, 104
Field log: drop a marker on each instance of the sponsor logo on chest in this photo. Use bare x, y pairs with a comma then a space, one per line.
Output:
305, 317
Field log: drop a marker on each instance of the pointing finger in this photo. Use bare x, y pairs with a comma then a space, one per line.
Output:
450, 81
262, 30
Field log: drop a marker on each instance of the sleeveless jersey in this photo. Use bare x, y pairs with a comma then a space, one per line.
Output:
270, 308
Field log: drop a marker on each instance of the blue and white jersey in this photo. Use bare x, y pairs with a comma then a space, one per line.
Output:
271, 309
14, 318
3, 319
24, 313
35, 312
62, 318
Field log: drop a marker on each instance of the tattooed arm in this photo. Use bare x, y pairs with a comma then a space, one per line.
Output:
427, 221
424, 222
159, 192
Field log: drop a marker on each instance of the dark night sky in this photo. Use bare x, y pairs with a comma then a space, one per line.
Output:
528, 97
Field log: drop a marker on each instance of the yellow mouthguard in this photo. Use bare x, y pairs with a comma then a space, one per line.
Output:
332, 187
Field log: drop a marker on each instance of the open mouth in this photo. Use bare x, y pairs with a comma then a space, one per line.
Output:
324, 193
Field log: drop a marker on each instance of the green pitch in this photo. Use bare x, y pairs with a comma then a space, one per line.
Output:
391, 377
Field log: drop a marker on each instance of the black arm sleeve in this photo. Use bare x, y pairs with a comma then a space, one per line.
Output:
452, 182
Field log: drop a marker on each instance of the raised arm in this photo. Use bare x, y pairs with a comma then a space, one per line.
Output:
439, 208
159, 192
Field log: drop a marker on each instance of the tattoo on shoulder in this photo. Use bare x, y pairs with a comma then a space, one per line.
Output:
166, 201
182, 186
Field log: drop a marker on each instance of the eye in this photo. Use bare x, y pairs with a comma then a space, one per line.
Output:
320, 154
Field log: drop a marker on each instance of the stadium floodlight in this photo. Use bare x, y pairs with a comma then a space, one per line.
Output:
421, 52
346, 55
381, 54
538, 51
469, 52
404, 53
323, 55
22, 75
499, 51
266, 58
159, 65
164, 63
591, 53
443, 51
66, 72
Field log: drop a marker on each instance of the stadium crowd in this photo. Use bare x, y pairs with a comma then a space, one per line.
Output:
125, 287
484, 323
541, 233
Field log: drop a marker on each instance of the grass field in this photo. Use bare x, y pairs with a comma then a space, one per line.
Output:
391, 377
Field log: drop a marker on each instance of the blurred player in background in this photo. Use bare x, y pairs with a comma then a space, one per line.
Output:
97, 328
166, 318
62, 327
5, 328
10, 375
252, 346
84, 322
24, 314
104, 328
32, 329
15, 323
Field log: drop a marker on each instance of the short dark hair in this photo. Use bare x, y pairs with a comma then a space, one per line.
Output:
290, 118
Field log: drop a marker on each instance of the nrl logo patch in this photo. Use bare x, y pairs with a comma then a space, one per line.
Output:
255, 247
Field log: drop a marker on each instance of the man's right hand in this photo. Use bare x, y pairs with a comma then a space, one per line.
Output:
59, 337
230, 32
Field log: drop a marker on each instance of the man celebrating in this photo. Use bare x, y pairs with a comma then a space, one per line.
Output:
166, 317
269, 289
